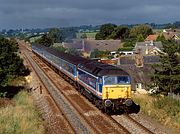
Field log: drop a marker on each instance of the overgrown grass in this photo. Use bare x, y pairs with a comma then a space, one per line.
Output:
165, 109
22, 118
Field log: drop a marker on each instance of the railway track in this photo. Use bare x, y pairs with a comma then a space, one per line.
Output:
54, 116
98, 122
94, 120
133, 126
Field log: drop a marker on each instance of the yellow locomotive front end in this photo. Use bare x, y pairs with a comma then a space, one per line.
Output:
116, 93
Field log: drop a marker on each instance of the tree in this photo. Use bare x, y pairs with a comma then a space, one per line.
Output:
120, 33
98, 36
45, 40
60, 48
68, 33
11, 65
161, 38
99, 54
129, 42
74, 51
84, 36
167, 73
140, 38
145, 30
105, 31
56, 35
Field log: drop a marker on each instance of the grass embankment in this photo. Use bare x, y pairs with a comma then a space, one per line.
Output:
165, 109
20, 117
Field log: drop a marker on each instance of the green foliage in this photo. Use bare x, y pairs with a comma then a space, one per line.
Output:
3, 95
21, 118
45, 40
126, 49
140, 38
161, 38
145, 30
74, 51
170, 105
84, 36
33, 39
120, 32
166, 75
11, 65
98, 36
129, 42
88, 34
56, 35
105, 31
60, 48
164, 109
68, 33
99, 54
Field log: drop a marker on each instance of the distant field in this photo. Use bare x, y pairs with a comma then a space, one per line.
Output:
89, 35
157, 30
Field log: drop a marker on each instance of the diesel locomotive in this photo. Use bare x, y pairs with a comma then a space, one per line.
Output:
107, 86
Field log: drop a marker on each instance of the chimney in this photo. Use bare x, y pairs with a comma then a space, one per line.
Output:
139, 59
83, 45
151, 43
63, 44
146, 49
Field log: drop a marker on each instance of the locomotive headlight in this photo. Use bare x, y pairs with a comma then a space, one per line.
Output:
108, 103
128, 102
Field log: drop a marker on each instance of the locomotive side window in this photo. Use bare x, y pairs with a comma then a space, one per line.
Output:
88, 79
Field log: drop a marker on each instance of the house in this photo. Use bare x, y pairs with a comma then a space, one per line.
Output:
87, 46
148, 47
140, 75
169, 30
151, 38
172, 34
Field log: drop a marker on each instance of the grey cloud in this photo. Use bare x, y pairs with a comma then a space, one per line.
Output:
48, 13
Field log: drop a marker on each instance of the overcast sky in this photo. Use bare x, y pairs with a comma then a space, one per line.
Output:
58, 13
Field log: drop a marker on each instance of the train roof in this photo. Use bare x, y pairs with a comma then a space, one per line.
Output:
101, 69
68, 57
91, 66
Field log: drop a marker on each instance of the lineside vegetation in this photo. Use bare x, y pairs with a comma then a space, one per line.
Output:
20, 116
164, 109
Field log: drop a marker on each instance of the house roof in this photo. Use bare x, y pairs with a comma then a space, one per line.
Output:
169, 34
90, 45
130, 60
151, 59
103, 45
151, 38
143, 46
77, 44
127, 60
138, 75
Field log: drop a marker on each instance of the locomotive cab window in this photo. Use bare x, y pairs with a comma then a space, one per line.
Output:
110, 80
